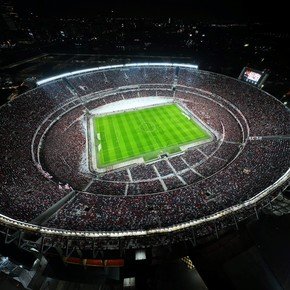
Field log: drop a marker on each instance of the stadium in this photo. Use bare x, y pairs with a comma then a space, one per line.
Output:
138, 155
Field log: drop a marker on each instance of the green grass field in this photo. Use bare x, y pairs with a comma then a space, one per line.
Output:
144, 133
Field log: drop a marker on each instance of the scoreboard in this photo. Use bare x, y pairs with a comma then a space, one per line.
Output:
253, 76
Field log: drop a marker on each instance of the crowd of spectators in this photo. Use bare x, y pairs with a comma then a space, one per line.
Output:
244, 179
103, 187
64, 149
117, 175
253, 103
140, 172
193, 157
163, 167
130, 94
227, 151
172, 182
211, 166
190, 177
209, 148
177, 163
25, 193
114, 202
114, 98
111, 79
207, 111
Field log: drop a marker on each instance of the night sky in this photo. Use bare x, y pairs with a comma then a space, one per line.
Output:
204, 10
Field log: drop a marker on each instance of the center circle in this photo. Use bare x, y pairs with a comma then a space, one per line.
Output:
148, 127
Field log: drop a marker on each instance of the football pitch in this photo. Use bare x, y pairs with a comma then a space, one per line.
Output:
145, 133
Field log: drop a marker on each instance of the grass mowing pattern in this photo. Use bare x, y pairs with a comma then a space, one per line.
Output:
144, 133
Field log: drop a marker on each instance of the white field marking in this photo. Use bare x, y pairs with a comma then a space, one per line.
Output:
147, 148
91, 138
195, 143
99, 147
112, 148
115, 140
120, 164
186, 116
84, 164
175, 120
99, 136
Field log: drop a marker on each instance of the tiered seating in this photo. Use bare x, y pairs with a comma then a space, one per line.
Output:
114, 201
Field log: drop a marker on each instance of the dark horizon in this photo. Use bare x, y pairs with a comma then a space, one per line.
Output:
220, 11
